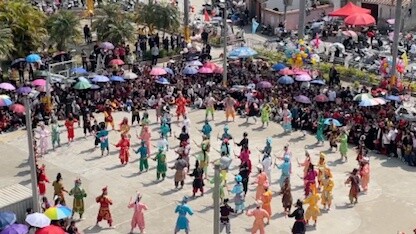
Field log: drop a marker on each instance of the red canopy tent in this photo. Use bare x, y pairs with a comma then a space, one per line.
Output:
348, 10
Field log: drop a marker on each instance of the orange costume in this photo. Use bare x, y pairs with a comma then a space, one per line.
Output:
124, 145
69, 124
124, 126
259, 216
261, 181
180, 106
266, 198
104, 211
108, 118
229, 103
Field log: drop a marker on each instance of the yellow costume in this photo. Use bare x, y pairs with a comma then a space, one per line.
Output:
328, 186
266, 198
313, 209
321, 169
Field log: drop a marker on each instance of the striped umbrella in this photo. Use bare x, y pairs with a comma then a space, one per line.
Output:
58, 212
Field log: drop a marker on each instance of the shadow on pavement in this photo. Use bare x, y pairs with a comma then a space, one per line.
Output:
114, 167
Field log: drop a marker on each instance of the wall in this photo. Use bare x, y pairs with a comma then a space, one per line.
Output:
292, 17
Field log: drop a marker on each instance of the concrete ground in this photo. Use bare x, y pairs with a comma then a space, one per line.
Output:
388, 207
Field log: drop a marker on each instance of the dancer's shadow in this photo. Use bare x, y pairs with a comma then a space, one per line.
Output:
280, 135
169, 192
151, 183
114, 167
93, 229
310, 228
222, 123
245, 124
22, 173
23, 164
114, 152
335, 162
88, 151
278, 215
135, 174
93, 158
258, 129
344, 207
206, 209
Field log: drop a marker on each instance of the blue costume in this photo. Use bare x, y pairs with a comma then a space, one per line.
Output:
239, 194
103, 136
164, 129
182, 223
285, 167
207, 129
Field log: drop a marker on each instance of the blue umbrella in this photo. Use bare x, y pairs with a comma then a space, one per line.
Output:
329, 120
95, 86
169, 71
190, 71
6, 219
33, 58
317, 82
393, 98
278, 66
162, 81
242, 52
100, 79
286, 80
79, 70
117, 78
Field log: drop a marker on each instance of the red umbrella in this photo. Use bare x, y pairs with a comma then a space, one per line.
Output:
51, 229
117, 62
360, 20
17, 108
286, 72
321, 98
349, 9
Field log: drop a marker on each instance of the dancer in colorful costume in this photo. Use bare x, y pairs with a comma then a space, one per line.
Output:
299, 215
287, 199
310, 180
58, 189
244, 172
354, 180
180, 174
104, 211
267, 162
229, 104
285, 167
42, 180
198, 183
69, 124
138, 216
124, 126
266, 199
343, 148
261, 181
43, 134
320, 130
265, 114
365, 173
143, 156
124, 145
145, 137
108, 118
287, 120
225, 211
210, 106
259, 215
328, 186
203, 157
206, 129
79, 195
182, 223
102, 135
239, 196
56, 133
161, 167
180, 106
321, 169
313, 209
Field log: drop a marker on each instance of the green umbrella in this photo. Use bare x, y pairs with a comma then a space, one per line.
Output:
81, 85
40, 73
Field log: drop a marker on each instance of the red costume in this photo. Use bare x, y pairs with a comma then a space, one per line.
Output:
42, 180
180, 106
124, 145
104, 211
69, 124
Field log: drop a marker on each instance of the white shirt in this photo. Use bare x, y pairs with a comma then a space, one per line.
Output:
267, 164
332, 95
187, 124
162, 144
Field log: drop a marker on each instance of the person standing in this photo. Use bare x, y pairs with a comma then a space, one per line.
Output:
182, 223
313, 209
180, 106
155, 54
143, 156
210, 106
108, 118
87, 34
58, 189
244, 172
124, 145
265, 114
138, 217
56, 133
79, 195
354, 181
365, 173
161, 167
198, 183
259, 215
102, 135
261, 181
266, 199
327, 187
299, 215
180, 174
43, 138
320, 130
343, 148
69, 124
238, 197
229, 103
287, 199
225, 211
42, 180
104, 211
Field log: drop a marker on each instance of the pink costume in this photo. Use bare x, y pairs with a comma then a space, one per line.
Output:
310, 179
365, 176
138, 217
145, 136
244, 155
261, 181
43, 140
259, 216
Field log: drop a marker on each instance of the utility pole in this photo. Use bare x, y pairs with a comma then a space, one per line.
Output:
225, 29
216, 198
397, 29
186, 32
32, 163
302, 13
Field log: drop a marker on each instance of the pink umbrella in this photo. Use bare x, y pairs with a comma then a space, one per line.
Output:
303, 99
39, 82
158, 71
205, 70
17, 108
218, 70
7, 86
303, 78
301, 72
117, 62
286, 72
210, 65
321, 98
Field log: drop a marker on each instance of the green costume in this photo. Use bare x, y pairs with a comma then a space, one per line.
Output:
79, 195
143, 151
56, 139
265, 113
343, 148
320, 130
161, 167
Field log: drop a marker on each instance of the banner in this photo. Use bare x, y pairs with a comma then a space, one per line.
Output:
254, 26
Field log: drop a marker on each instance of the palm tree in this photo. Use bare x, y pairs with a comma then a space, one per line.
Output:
6, 41
162, 16
114, 25
63, 28
26, 25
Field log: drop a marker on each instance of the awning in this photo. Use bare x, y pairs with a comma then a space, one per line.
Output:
348, 10
387, 2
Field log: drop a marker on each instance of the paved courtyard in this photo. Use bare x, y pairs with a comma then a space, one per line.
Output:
388, 207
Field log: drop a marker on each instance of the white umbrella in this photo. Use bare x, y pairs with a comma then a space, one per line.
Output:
38, 220
130, 76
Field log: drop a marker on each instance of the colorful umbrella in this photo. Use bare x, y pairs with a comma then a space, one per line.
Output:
17, 61
321, 98
242, 52
264, 85
117, 62
117, 79
79, 70
329, 121
162, 81
51, 229
303, 77
17, 108
360, 19
7, 86
81, 85
278, 66
38, 220
33, 58
15, 229
317, 82
393, 98
286, 80
380, 100
169, 71
24, 90
218, 70
58, 212
286, 72
130, 76
5, 101
158, 71
100, 79
195, 63
210, 65
362, 96
369, 102
40, 73
303, 99
190, 71
205, 70
39, 82
107, 45
6, 219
